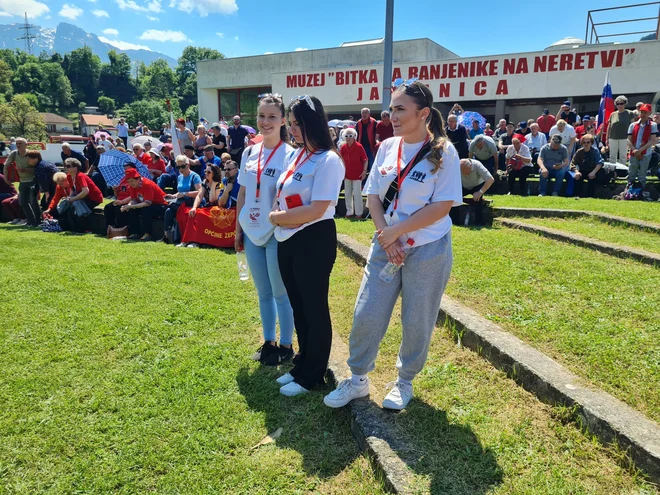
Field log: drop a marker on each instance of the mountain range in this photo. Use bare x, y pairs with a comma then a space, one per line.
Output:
66, 38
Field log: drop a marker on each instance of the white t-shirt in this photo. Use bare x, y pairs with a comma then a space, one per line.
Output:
567, 137
254, 215
318, 179
523, 151
420, 187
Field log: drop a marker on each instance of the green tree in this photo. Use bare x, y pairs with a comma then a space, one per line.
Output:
115, 79
159, 82
27, 78
32, 98
151, 112
55, 87
81, 107
83, 69
20, 118
188, 91
106, 105
187, 62
193, 112
6, 76
9, 57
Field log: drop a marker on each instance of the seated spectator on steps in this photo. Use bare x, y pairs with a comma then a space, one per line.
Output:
225, 158
199, 165
518, 163
168, 179
229, 196
188, 185
475, 130
43, 172
208, 196
10, 204
553, 164
112, 211
587, 165
567, 133
75, 186
140, 154
504, 142
484, 149
458, 135
157, 167
488, 131
355, 165
535, 140
146, 202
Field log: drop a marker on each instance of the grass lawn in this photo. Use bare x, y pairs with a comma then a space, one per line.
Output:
475, 431
594, 313
125, 368
640, 210
591, 227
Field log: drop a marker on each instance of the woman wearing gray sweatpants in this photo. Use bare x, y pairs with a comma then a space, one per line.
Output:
412, 186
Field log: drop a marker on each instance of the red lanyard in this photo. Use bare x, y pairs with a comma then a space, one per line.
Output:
265, 164
294, 168
399, 178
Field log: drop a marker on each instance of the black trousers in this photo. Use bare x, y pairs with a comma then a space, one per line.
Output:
306, 260
522, 175
113, 216
601, 178
72, 222
140, 220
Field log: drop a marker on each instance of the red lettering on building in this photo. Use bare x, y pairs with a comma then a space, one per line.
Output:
463, 69
290, 81
373, 76
424, 73
373, 96
339, 79
359, 98
434, 72
592, 59
461, 89
502, 87
522, 67
579, 61
480, 88
552, 63
509, 66
566, 61
540, 63
444, 90
482, 69
396, 74
607, 58
413, 71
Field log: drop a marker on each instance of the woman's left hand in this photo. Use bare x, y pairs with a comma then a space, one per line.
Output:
387, 236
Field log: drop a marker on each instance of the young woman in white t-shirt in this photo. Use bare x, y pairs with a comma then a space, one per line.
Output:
261, 166
419, 214
306, 196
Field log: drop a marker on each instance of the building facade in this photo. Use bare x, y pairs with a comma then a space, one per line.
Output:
514, 86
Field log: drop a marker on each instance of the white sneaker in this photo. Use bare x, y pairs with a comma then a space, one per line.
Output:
399, 397
345, 393
193, 245
285, 379
181, 244
22, 222
292, 389
14, 221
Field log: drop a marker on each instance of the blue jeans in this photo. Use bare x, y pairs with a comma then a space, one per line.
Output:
553, 173
273, 299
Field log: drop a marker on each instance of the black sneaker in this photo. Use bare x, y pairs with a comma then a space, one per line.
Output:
270, 355
257, 355
286, 353
296, 358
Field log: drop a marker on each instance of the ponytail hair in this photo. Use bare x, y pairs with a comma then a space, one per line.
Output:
275, 99
435, 124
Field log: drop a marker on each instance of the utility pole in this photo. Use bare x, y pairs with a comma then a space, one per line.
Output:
387, 61
28, 37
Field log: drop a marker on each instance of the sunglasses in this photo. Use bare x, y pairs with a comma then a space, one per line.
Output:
230, 169
269, 95
208, 172
305, 98
69, 166
181, 167
619, 104
400, 81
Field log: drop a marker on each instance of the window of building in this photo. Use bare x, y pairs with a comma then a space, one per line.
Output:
243, 102
51, 128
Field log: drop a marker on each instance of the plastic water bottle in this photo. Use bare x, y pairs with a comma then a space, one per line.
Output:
389, 270
241, 259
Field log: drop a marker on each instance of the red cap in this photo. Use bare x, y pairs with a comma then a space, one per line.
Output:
132, 173
646, 107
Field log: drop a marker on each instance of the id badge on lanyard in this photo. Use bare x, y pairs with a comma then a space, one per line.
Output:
254, 214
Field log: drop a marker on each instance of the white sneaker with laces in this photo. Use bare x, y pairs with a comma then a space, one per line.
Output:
285, 379
345, 392
193, 245
292, 389
22, 222
181, 244
399, 397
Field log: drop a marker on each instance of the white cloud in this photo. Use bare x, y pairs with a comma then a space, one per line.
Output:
152, 6
19, 7
5, 14
222, 35
156, 35
152, 18
111, 32
206, 7
235, 38
47, 17
100, 13
70, 11
123, 45
301, 49
268, 53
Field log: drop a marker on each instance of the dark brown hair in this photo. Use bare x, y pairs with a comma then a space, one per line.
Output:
216, 172
313, 124
435, 124
34, 154
271, 99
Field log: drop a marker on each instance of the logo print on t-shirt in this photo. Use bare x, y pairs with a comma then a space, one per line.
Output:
269, 172
140, 198
297, 176
418, 176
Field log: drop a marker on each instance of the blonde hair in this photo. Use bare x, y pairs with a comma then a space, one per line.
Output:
224, 157
182, 160
59, 176
560, 121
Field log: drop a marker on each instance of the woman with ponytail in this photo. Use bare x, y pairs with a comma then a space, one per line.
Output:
261, 165
414, 182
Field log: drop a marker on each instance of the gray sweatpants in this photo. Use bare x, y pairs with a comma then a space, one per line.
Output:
421, 282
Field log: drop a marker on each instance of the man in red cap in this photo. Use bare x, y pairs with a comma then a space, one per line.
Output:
642, 136
145, 202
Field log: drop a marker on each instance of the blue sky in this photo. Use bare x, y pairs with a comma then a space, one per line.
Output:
241, 27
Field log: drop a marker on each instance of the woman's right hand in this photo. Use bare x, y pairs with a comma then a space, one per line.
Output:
192, 212
395, 253
238, 241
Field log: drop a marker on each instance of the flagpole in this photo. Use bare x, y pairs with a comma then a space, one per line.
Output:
176, 144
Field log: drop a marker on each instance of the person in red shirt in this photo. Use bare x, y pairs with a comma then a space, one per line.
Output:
588, 127
157, 167
77, 187
384, 129
366, 134
356, 163
545, 122
112, 211
146, 202
140, 154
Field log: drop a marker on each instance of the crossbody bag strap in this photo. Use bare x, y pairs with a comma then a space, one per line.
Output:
394, 185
